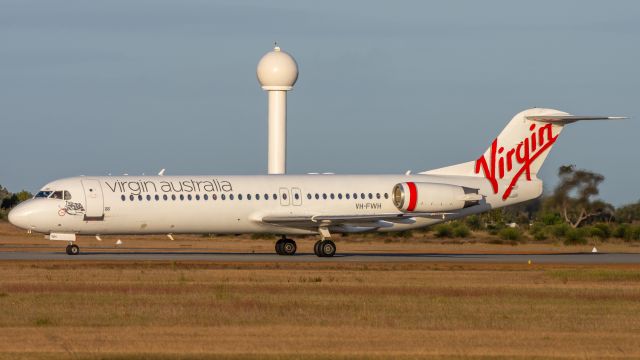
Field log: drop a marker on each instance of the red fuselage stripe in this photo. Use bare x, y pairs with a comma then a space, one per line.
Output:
413, 196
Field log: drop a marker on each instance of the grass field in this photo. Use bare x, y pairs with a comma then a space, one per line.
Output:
104, 310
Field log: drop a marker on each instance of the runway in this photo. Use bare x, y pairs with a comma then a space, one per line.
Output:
163, 255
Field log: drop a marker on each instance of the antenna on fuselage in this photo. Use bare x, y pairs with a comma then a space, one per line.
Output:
161, 173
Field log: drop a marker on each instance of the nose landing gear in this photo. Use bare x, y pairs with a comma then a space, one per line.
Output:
286, 246
73, 249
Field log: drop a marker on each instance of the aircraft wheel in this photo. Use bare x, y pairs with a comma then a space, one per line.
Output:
288, 247
279, 250
73, 250
316, 248
327, 248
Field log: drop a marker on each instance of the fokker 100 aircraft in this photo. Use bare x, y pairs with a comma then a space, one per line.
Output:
505, 174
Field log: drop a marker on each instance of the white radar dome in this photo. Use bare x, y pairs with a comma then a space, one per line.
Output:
277, 70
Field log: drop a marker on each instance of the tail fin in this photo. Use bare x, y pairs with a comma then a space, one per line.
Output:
520, 149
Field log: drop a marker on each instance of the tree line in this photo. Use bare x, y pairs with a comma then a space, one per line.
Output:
571, 213
8, 200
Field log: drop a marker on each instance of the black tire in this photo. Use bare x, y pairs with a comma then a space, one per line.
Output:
316, 248
69, 250
327, 248
74, 250
288, 247
279, 247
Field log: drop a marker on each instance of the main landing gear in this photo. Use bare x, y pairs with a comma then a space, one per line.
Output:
286, 246
324, 248
73, 249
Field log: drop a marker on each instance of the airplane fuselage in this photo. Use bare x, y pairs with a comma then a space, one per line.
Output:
232, 204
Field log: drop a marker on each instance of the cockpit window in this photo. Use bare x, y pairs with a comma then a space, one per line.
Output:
57, 195
43, 194
62, 194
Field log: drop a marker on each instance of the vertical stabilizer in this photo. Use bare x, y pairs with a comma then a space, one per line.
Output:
519, 151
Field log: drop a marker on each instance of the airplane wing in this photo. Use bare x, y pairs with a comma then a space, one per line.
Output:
378, 220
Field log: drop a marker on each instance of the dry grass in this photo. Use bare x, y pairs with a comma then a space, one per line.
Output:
98, 310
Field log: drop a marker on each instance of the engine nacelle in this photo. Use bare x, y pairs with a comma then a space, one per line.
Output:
432, 197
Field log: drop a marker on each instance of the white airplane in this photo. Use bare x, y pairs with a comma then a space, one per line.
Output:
505, 174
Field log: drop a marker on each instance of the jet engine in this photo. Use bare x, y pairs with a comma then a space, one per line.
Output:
433, 197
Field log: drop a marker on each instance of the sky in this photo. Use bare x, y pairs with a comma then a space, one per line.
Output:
130, 86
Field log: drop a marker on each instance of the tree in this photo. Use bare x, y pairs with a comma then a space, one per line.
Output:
628, 213
24, 195
572, 198
9, 200
4, 193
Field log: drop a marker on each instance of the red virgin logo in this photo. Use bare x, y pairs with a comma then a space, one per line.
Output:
520, 158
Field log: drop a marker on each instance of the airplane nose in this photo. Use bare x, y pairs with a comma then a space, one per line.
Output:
19, 216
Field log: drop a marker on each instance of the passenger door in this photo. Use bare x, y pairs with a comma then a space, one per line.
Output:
94, 200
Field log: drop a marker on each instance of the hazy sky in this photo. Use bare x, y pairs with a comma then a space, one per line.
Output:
126, 86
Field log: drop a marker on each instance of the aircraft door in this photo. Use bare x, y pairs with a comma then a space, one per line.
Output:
94, 200
296, 196
284, 197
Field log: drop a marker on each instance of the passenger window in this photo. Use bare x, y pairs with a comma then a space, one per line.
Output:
239, 196
317, 196
214, 197
131, 197
123, 197
148, 197
205, 196
355, 196
362, 195
275, 196
223, 197
189, 197
284, 196
197, 197
266, 196
257, 196
67, 195
139, 197
165, 197
173, 197
248, 196
157, 197
386, 196
340, 196
332, 196
347, 196
324, 196
370, 196
230, 196
378, 196
181, 197
296, 196
309, 196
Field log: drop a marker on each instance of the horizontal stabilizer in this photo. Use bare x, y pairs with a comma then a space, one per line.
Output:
568, 119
